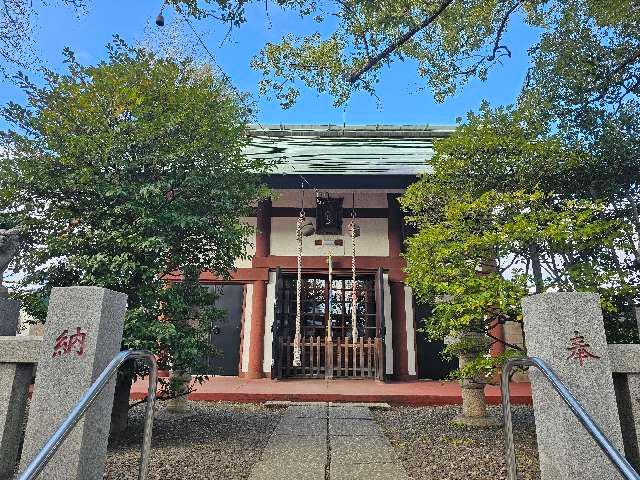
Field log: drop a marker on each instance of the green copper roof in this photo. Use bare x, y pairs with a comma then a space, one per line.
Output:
347, 149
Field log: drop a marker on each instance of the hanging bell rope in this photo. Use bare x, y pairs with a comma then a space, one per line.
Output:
296, 339
330, 262
354, 298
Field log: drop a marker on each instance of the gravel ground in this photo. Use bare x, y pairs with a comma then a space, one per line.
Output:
431, 448
224, 440
210, 441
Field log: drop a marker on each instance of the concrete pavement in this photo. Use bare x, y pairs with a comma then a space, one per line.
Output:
323, 442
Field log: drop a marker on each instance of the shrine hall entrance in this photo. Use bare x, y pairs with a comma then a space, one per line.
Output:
327, 346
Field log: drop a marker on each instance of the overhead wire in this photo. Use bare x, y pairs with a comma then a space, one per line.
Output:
228, 81
233, 87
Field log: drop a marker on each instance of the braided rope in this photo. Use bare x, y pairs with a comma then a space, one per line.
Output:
296, 339
329, 287
354, 299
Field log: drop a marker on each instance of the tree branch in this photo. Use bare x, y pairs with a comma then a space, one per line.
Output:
631, 59
635, 216
607, 80
500, 32
354, 15
505, 343
404, 38
534, 254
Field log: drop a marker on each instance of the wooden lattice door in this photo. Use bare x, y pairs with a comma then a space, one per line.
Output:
319, 305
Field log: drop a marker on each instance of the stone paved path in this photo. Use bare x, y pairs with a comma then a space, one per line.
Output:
322, 442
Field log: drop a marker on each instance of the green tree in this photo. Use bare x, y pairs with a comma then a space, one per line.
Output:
121, 174
586, 50
566, 155
550, 186
505, 189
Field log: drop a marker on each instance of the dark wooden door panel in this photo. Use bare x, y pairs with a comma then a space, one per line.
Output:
431, 365
225, 335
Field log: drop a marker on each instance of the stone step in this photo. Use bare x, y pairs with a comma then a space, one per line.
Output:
288, 403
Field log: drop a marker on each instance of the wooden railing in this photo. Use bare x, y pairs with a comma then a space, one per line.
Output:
336, 358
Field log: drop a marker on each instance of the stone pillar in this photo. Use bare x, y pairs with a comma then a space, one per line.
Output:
9, 316
256, 339
628, 395
82, 334
625, 364
179, 404
14, 386
566, 330
474, 402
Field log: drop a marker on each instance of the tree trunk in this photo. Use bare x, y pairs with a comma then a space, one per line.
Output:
536, 266
635, 218
120, 410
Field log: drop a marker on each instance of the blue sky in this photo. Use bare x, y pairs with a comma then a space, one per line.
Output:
402, 102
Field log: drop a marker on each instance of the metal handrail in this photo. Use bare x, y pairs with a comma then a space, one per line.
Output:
46, 453
621, 463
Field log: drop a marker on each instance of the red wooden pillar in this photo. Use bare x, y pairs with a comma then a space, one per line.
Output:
256, 338
263, 227
497, 347
497, 330
398, 313
259, 300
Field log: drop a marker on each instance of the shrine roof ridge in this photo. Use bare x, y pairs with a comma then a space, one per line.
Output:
352, 131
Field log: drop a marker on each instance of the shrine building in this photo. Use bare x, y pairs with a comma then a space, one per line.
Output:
337, 177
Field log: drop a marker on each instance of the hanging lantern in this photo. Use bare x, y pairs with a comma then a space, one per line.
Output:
329, 215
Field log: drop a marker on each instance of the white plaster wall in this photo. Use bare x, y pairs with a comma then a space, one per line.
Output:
251, 248
26, 327
372, 242
364, 198
268, 323
411, 333
388, 338
246, 330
